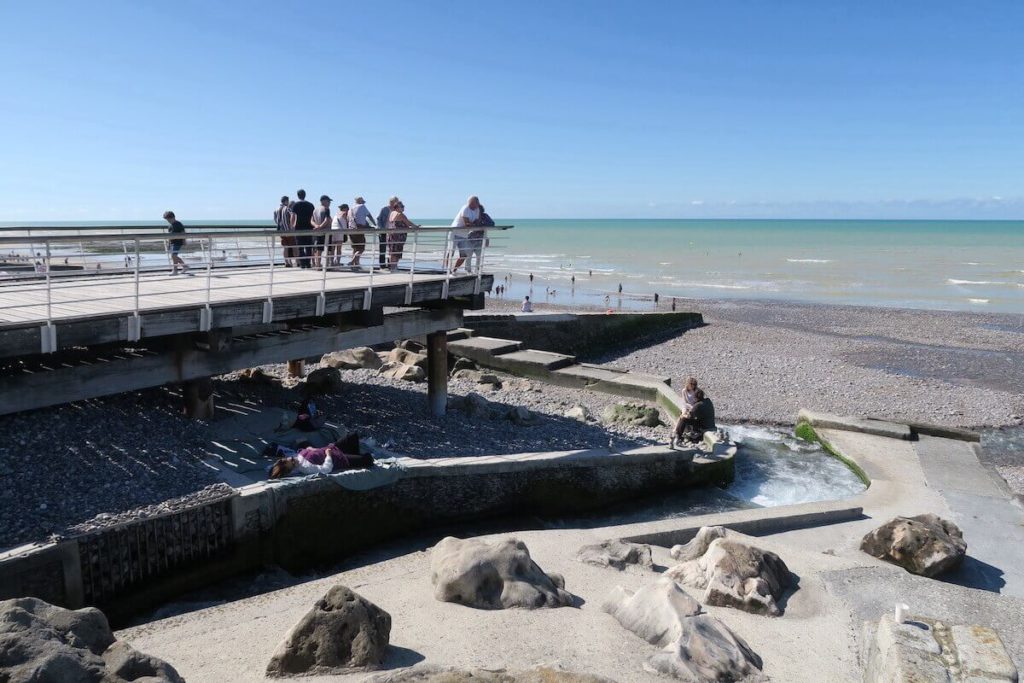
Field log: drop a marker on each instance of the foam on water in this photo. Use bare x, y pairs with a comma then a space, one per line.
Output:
775, 468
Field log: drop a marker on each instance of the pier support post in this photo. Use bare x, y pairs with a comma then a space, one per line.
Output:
198, 395
297, 368
437, 373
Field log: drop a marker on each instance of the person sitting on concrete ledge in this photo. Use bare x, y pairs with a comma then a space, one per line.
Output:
691, 426
527, 306
690, 394
343, 454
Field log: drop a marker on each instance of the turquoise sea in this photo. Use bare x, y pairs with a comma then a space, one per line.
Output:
953, 265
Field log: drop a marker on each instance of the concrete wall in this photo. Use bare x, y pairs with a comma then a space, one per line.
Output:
303, 523
585, 335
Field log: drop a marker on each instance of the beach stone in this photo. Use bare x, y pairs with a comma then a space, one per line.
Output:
474, 405
732, 573
362, 357
462, 364
408, 373
926, 545
580, 413
411, 345
520, 415
257, 376
478, 377
343, 631
695, 646
43, 643
631, 414
408, 357
616, 554
434, 674
324, 381
493, 575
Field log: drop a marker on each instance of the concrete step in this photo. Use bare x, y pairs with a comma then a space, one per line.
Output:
531, 363
459, 334
892, 430
482, 349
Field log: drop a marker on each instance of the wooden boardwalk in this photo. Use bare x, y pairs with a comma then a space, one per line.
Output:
73, 297
89, 309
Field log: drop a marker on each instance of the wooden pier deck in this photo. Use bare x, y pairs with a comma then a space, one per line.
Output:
95, 308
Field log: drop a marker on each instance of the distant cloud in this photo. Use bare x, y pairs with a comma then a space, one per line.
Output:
697, 202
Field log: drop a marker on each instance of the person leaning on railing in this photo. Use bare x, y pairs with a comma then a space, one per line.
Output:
382, 223
397, 223
361, 220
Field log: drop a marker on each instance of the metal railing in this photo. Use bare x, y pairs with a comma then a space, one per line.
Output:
49, 273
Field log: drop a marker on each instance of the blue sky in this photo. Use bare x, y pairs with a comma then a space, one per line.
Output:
119, 110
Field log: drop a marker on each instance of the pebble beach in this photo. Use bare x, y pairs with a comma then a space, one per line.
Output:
760, 361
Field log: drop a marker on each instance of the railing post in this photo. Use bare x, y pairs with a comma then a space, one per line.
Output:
268, 305
374, 263
47, 333
206, 315
321, 301
480, 262
135, 322
412, 267
449, 240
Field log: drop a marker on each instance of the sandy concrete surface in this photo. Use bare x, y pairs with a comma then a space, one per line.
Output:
234, 641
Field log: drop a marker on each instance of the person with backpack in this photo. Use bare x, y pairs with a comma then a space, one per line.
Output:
283, 221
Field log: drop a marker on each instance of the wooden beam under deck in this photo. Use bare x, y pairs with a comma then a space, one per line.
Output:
119, 371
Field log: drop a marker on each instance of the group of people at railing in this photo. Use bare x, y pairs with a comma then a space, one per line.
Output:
308, 249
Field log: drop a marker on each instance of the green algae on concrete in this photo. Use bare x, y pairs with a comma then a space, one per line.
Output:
806, 432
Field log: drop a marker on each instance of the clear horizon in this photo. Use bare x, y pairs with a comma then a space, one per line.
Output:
794, 111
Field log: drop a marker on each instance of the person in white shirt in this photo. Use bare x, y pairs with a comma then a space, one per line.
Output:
465, 219
527, 305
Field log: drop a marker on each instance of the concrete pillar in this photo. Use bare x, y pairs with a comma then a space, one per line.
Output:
437, 373
198, 395
297, 368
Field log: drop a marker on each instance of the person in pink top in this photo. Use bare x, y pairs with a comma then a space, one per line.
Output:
334, 457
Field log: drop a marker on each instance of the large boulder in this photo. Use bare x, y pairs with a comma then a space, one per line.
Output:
324, 381
408, 373
46, 644
474, 405
343, 631
408, 357
495, 575
694, 646
732, 573
926, 544
633, 414
617, 554
353, 359
462, 364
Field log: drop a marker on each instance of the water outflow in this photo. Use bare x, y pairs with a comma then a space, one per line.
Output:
775, 468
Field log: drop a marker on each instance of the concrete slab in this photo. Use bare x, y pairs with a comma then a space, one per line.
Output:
482, 349
530, 362
892, 430
952, 465
994, 531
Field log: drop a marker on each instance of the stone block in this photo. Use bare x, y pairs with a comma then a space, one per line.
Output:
982, 654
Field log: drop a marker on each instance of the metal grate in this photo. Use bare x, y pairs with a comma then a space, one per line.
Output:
123, 557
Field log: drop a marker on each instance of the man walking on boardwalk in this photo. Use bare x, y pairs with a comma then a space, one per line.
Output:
382, 224
302, 219
176, 244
